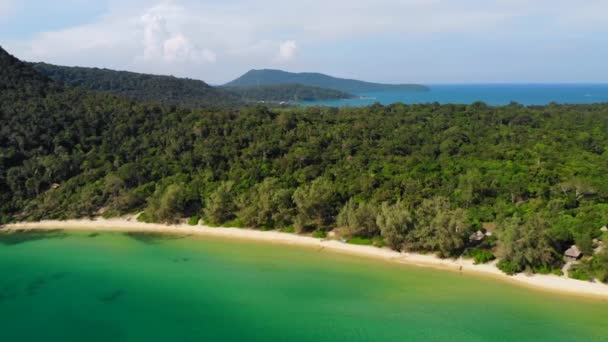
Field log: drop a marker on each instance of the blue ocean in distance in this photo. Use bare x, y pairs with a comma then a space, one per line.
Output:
492, 94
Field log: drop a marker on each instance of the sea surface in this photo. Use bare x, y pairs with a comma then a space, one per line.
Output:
492, 94
141, 287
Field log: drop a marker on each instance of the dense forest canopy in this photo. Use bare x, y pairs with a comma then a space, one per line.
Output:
165, 90
287, 93
184, 92
414, 177
278, 77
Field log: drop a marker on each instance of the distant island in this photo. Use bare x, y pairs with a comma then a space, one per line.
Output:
278, 77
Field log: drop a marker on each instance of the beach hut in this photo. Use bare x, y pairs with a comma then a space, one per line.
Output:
477, 236
573, 253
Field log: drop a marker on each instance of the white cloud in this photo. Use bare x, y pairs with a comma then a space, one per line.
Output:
161, 45
288, 50
217, 40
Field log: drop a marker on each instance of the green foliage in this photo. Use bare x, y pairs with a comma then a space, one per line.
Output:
167, 204
278, 77
167, 90
358, 219
287, 93
480, 256
315, 205
526, 246
395, 223
360, 241
267, 205
439, 228
194, 220
319, 234
580, 272
220, 206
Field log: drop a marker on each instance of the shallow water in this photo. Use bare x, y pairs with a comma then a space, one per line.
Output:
118, 287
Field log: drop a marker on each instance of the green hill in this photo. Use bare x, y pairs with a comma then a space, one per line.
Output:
287, 93
167, 90
278, 77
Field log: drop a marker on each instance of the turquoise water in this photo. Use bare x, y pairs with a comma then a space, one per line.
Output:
115, 287
493, 94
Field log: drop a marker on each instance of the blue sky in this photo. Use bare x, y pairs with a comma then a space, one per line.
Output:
425, 41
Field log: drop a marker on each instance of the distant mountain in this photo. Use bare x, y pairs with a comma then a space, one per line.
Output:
277, 77
287, 93
166, 90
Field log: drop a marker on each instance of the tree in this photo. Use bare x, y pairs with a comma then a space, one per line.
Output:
167, 205
266, 205
358, 219
395, 223
439, 228
315, 205
525, 246
220, 206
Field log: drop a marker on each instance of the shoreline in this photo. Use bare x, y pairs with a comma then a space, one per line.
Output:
549, 283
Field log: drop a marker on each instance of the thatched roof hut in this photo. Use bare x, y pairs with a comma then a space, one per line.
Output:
573, 253
477, 236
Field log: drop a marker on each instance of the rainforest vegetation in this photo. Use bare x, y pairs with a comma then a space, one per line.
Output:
287, 92
413, 177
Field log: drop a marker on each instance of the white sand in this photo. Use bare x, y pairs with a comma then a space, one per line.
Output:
543, 282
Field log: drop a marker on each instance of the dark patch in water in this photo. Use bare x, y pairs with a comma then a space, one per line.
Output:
5, 296
153, 237
112, 296
19, 236
180, 260
35, 285
93, 235
59, 275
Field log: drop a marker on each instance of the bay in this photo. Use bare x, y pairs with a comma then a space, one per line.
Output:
148, 287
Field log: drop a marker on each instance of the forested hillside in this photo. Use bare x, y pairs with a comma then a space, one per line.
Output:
166, 90
414, 177
287, 92
278, 77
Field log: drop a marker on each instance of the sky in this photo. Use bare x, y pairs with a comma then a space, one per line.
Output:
393, 41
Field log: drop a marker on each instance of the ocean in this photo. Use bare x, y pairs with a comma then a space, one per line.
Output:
492, 94
116, 287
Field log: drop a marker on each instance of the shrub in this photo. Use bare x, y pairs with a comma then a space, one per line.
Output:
194, 220
319, 234
480, 256
580, 272
508, 267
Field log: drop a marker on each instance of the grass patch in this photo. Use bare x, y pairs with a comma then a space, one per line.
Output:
360, 241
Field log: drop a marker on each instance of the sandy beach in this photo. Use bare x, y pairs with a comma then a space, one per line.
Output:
542, 282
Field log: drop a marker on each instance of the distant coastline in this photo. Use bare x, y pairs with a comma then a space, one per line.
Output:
541, 282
